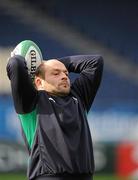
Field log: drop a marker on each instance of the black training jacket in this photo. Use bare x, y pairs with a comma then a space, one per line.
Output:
55, 129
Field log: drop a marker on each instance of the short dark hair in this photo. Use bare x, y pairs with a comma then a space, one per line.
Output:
40, 71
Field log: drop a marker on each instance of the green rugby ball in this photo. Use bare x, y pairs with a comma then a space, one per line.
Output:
32, 54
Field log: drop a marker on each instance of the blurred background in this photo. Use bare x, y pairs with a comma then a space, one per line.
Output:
69, 27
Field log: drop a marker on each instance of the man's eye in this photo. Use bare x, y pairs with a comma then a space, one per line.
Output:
55, 74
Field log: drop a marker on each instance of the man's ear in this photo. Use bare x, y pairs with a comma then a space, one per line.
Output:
38, 83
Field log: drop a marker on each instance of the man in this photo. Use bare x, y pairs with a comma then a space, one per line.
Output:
53, 115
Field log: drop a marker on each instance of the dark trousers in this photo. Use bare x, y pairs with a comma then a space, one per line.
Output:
64, 178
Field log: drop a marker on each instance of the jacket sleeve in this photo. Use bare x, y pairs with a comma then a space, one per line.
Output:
23, 91
90, 69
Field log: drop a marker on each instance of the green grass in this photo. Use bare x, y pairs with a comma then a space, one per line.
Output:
10, 176
105, 177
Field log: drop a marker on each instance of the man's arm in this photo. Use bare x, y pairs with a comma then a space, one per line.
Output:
23, 91
90, 68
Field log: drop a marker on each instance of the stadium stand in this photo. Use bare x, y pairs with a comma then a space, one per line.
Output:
12, 32
113, 23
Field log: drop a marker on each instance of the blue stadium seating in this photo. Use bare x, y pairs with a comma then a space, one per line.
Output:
113, 23
12, 31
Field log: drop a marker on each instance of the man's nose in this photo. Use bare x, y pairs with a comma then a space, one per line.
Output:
64, 76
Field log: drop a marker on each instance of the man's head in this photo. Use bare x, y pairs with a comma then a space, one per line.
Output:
52, 76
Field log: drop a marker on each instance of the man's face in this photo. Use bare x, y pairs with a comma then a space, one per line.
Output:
56, 78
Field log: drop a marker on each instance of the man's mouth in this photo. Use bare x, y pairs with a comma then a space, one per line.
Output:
65, 84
